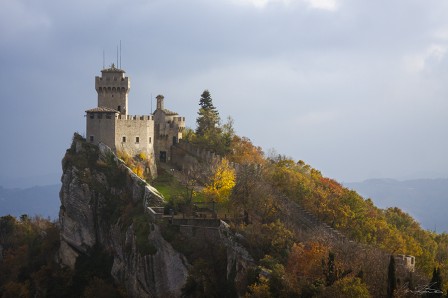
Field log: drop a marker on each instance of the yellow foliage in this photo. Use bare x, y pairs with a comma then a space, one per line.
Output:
126, 157
221, 182
138, 170
259, 289
142, 156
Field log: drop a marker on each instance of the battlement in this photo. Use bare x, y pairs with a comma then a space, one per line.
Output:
135, 117
179, 119
112, 84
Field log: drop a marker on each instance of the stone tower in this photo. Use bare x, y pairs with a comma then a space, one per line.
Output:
113, 89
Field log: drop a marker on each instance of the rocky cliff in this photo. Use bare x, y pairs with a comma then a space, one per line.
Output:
102, 203
104, 213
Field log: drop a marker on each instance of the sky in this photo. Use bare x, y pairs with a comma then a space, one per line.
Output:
357, 89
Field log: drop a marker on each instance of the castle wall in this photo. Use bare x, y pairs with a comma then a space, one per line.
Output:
167, 132
101, 128
132, 127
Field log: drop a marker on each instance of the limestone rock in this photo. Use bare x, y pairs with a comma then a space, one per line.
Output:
87, 221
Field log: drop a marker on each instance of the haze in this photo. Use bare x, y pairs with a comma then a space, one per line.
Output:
357, 89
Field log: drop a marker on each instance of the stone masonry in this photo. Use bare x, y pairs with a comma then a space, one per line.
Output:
110, 123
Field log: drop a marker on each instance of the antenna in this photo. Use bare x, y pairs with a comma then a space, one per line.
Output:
104, 60
120, 53
117, 56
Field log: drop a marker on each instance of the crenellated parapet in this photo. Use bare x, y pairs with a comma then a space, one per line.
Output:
134, 117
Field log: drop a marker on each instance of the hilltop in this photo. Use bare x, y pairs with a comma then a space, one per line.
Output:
210, 216
424, 199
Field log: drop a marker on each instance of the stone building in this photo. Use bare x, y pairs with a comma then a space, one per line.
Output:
110, 123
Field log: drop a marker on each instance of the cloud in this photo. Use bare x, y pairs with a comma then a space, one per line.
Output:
17, 19
330, 5
426, 59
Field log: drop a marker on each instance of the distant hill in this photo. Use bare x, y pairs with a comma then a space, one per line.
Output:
425, 199
37, 200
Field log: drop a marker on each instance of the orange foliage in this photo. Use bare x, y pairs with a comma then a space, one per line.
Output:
305, 262
242, 151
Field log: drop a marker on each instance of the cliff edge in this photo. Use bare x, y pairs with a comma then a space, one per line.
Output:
102, 211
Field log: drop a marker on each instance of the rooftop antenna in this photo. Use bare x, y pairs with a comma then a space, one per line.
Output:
117, 56
104, 60
120, 53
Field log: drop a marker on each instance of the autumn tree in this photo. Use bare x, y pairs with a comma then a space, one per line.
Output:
190, 179
221, 182
348, 287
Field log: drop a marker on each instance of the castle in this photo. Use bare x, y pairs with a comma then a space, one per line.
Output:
110, 123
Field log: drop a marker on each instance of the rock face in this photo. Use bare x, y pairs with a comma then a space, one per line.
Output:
97, 192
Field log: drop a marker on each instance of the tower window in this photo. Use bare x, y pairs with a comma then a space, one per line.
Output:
137, 139
150, 140
119, 108
124, 140
91, 139
92, 115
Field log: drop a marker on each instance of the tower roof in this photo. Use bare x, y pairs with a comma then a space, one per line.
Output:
102, 110
113, 69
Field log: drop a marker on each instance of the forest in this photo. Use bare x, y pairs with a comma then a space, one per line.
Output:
257, 194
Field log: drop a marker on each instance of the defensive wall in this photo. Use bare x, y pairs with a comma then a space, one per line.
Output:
134, 134
185, 155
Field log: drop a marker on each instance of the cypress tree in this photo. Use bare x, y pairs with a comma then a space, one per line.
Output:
391, 278
436, 283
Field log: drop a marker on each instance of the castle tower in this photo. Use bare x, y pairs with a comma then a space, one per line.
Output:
113, 89
160, 102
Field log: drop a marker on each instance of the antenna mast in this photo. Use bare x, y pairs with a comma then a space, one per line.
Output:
104, 60
120, 53
117, 56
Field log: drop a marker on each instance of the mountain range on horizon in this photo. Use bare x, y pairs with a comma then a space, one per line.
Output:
424, 199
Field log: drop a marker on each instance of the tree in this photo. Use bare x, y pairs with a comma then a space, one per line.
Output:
331, 272
391, 278
347, 287
221, 182
436, 284
208, 119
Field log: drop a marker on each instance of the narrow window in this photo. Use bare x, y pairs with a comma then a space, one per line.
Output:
91, 139
119, 108
150, 140
137, 139
92, 115
124, 139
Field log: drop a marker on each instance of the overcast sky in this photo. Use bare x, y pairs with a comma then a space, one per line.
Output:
358, 89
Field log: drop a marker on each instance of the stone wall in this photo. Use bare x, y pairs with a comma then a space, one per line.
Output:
101, 127
185, 155
167, 132
129, 128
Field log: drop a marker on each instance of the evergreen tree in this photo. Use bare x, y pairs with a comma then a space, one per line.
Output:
331, 273
391, 278
436, 284
208, 119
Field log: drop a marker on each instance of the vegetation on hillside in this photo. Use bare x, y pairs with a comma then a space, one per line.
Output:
285, 253
260, 193
29, 266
